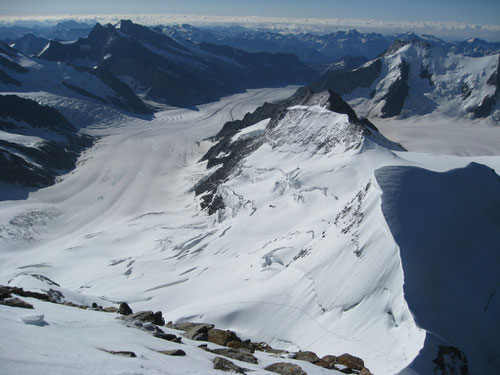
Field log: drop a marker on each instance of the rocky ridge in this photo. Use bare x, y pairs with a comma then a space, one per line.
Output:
230, 149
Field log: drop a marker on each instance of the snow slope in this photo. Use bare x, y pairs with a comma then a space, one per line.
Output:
442, 134
50, 346
302, 256
449, 239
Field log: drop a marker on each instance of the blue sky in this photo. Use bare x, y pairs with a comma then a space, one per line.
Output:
468, 11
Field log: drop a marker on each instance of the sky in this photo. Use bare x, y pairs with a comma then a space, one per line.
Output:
470, 11
479, 14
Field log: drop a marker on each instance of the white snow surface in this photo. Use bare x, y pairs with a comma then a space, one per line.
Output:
442, 134
75, 341
301, 257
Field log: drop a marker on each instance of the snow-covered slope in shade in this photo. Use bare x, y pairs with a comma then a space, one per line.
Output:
301, 256
449, 243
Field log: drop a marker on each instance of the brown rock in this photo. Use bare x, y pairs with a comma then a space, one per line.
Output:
224, 364
199, 332
284, 368
110, 309
187, 326
239, 355
328, 361
16, 302
365, 371
146, 317
174, 352
242, 345
124, 309
306, 356
346, 370
351, 361
25, 293
264, 347
220, 337
168, 337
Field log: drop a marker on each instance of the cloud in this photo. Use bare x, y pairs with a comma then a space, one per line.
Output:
446, 30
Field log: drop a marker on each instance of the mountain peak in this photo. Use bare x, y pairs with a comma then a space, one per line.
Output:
123, 24
100, 32
400, 43
353, 32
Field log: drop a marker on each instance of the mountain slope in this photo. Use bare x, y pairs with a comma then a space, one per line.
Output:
299, 254
414, 78
36, 143
29, 44
166, 71
22, 74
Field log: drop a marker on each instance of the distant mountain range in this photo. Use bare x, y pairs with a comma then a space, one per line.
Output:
65, 31
418, 78
176, 73
320, 49
310, 48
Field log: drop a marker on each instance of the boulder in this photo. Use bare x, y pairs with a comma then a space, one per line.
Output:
16, 302
124, 309
110, 309
122, 353
242, 345
346, 370
220, 337
284, 368
451, 360
187, 326
306, 356
351, 361
149, 327
4, 292
365, 371
146, 317
24, 293
168, 337
199, 332
239, 355
264, 347
96, 307
174, 352
224, 364
328, 361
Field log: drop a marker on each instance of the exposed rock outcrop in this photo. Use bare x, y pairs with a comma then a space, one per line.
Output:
224, 364
124, 309
285, 368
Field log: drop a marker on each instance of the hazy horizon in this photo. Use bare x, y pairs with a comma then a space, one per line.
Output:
447, 19
449, 31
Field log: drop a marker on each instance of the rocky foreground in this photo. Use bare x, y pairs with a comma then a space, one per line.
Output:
225, 345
